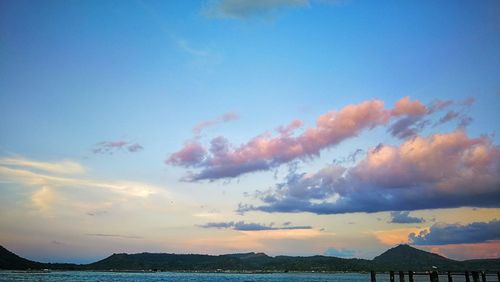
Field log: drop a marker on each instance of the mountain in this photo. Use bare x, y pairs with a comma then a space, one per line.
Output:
400, 258
404, 258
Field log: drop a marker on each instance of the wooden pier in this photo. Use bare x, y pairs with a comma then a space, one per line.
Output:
476, 276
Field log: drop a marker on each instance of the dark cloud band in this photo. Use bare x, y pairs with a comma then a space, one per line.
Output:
243, 226
444, 234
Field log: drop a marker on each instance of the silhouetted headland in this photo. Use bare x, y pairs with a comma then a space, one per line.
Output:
402, 257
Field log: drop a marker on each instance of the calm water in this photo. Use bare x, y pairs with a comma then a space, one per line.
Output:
77, 276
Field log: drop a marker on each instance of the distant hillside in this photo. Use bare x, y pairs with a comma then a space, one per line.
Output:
246, 261
489, 264
402, 257
9, 260
167, 262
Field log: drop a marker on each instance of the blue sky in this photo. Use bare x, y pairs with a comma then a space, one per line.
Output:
75, 74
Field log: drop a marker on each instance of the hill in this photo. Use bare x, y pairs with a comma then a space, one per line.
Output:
402, 257
9, 260
405, 257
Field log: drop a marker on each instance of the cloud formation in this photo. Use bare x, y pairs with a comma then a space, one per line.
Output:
415, 116
265, 151
243, 226
421, 173
221, 159
412, 115
404, 217
244, 9
459, 113
444, 234
110, 147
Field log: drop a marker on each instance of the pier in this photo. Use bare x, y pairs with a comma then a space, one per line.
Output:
470, 276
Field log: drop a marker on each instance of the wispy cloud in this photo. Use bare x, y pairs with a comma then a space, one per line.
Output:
47, 195
96, 213
114, 236
444, 234
26, 177
408, 127
459, 113
404, 217
185, 46
245, 9
110, 147
421, 173
226, 117
243, 226
61, 167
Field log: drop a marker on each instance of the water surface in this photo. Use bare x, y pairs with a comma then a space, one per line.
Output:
80, 276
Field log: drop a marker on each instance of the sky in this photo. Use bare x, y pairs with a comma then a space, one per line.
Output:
290, 127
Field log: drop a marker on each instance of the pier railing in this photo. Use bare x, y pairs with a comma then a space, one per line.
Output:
470, 276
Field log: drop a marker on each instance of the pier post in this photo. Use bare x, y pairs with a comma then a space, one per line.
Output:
483, 276
401, 276
450, 278
373, 276
433, 276
475, 276
391, 276
410, 276
467, 278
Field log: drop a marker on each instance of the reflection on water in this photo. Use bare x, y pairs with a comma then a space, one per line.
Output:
78, 276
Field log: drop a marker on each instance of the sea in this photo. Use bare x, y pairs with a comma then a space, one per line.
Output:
80, 276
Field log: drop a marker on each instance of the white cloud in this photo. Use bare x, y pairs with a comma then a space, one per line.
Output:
25, 172
61, 167
44, 198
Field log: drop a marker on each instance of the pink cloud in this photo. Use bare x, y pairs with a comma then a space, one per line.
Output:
290, 128
135, 147
265, 151
229, 116
448, 160
407, 107
191, 154
440, 171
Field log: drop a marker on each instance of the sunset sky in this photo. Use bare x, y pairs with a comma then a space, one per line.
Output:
290, 127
